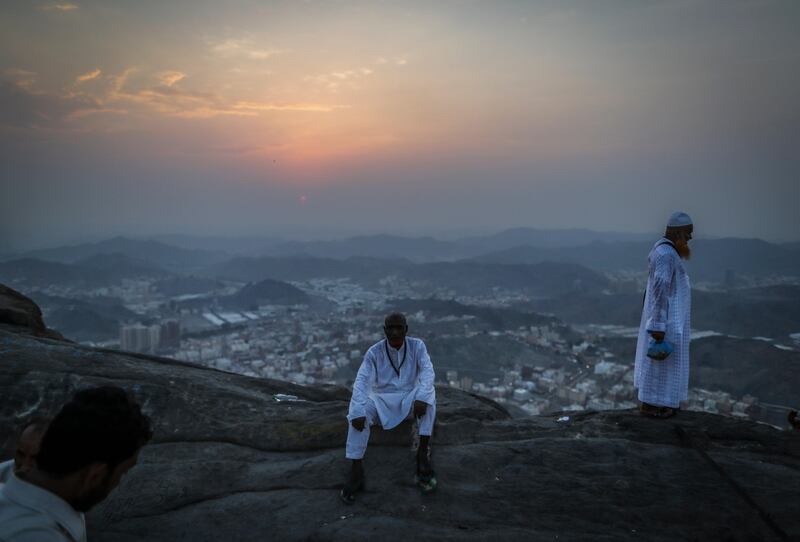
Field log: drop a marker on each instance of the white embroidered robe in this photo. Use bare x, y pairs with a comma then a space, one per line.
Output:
667, 307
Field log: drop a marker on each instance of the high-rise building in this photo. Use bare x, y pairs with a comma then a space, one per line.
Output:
154, 333
170, 336
140, 338
135, 338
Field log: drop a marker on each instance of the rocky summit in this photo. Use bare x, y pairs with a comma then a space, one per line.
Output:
244, 459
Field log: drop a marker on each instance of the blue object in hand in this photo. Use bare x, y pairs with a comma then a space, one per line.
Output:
659, 351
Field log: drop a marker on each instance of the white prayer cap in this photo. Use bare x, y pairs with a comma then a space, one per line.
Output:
678, 219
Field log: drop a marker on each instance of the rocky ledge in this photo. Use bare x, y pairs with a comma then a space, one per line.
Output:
229, 461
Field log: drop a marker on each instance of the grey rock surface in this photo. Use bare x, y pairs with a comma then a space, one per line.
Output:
229, 462
20, 314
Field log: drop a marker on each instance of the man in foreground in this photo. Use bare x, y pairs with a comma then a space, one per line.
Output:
394, 382
28, 443
87, 448
662, 351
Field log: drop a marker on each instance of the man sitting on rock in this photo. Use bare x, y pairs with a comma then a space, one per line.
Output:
87, 448
394, 382
27, 449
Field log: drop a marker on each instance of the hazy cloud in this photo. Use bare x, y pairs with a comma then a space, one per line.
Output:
21, 78
336, 80
59, 6
169, 78
256, 106
21, 106
398, 61
80, 113
242, 48
88, 76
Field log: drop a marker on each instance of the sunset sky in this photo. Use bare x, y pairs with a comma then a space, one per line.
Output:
317, 119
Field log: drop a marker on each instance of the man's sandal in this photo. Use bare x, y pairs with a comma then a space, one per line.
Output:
666, 412
426, 478
348, 492
657, 412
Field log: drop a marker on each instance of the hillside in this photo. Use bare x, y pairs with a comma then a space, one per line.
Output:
756, 312
544, 278
154, 252
94, 271
711, 258
736, 366
229, 462
265, 292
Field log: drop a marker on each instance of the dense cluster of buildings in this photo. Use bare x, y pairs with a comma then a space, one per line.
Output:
304, 346
585, 377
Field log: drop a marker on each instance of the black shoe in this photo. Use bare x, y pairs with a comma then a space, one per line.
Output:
354, 484
426, 476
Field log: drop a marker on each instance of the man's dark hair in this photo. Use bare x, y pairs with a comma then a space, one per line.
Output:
395, 317
99, 425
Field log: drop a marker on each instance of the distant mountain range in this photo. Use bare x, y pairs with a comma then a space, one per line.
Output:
548, 238
180, 251
417, 249
92, 271
380, 254
30, 272
153, 252
428, 249
544, 279
249, 245
711, 258
116, 264
299, 268
602, 251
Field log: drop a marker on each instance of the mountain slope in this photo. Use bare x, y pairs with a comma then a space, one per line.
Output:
265, 292
711, 258
545, 278
766, 312
91, 272
154, 252
228, 461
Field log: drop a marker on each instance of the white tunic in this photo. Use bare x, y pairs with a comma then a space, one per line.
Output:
6, 469
667, 307
393, 379
29, 513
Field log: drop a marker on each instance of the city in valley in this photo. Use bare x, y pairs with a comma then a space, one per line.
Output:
518, 341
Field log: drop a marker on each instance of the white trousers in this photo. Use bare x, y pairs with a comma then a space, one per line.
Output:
357, 440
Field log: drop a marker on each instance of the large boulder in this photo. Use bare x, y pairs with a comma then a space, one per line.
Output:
230, 461
20, 314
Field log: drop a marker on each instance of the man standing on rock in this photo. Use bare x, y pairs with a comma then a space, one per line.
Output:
662, 350
394, 382
87, 448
